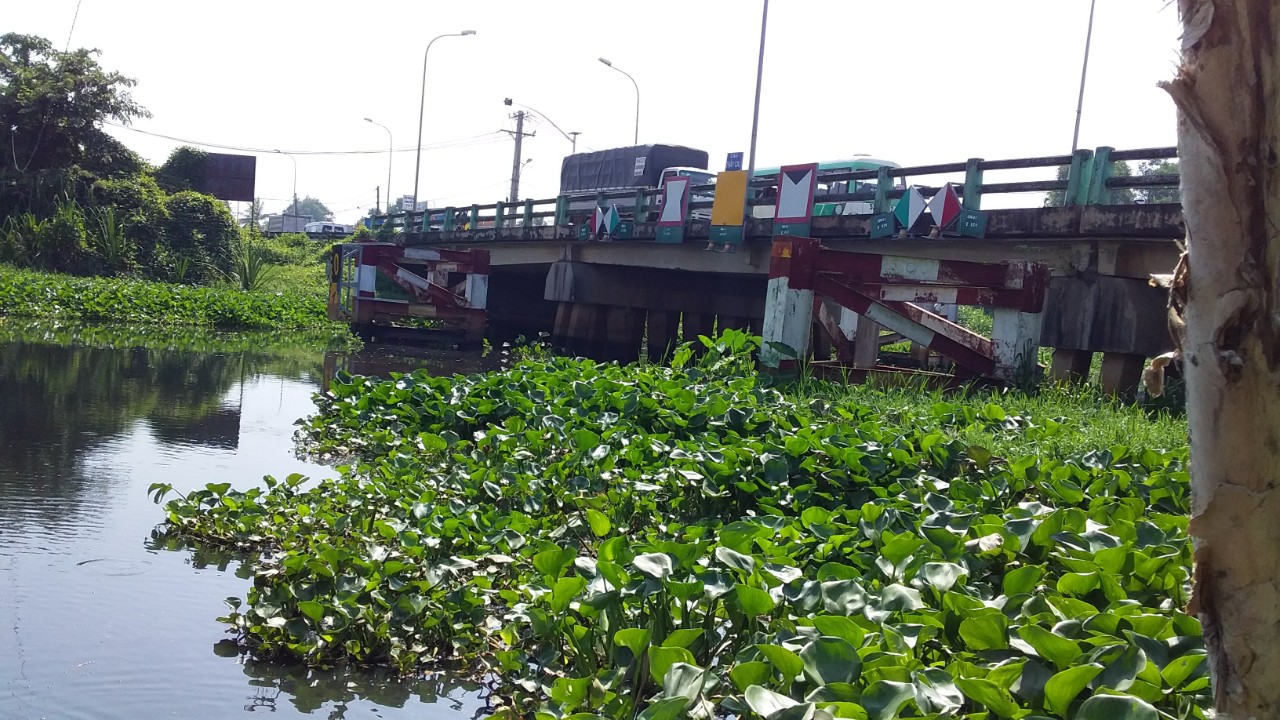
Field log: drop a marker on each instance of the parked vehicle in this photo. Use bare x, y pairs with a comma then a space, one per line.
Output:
328, 228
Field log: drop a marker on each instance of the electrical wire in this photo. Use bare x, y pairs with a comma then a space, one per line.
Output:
488, 138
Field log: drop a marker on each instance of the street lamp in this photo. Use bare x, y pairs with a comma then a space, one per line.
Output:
390, 152
572, 136
1084, 71
637, 86
755, 113
295, 180
422, 103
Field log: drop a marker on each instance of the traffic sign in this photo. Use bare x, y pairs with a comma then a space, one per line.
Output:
733, 161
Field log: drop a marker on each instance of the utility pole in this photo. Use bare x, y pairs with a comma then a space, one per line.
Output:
377, 199
519, 134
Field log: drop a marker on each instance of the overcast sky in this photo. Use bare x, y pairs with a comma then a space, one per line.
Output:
913, 81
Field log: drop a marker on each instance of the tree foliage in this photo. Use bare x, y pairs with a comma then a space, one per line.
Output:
310, 206
183, 170
1127, 196
74, 199
53, 104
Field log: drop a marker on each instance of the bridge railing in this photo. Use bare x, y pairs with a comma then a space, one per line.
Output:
1090, 180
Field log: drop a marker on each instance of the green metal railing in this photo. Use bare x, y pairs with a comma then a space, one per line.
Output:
1090, 181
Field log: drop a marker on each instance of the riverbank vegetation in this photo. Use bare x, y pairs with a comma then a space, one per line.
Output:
691, 541
76, 201
31, 294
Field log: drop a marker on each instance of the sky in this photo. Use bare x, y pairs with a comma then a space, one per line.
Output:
913, 81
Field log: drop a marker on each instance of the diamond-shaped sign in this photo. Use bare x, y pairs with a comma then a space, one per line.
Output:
607, 220
945, 206
910, 207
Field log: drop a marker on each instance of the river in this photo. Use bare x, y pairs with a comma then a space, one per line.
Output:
99, 619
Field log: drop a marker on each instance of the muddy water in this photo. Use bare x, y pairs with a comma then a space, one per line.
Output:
97, 618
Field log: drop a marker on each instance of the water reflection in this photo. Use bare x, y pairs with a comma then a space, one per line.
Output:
102, 616
382, 360
308, 690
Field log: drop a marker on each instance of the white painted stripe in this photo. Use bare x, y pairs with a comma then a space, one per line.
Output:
422, 253
911, 293
412, 279
366, 278
901, 325
894, 266
477, 291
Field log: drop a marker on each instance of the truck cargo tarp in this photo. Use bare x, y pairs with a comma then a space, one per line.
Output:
636, 166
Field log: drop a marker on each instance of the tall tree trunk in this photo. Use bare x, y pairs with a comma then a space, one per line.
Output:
1228, 141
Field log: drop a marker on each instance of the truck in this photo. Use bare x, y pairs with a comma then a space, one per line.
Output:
638, 167
277, 224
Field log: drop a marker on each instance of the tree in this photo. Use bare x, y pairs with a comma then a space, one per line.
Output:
252, 216
1158, 195
1123, 196
310, 206
53, 103
184, 170
1225, 309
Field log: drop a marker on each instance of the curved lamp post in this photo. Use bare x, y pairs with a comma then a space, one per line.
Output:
295, 180
390, 152
422, 103
637, 86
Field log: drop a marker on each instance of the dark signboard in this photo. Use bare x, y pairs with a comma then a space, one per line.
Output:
229, 177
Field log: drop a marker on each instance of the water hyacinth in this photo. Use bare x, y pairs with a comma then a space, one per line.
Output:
687, 541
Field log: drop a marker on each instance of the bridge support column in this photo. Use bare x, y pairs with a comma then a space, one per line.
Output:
1121, 373
694, 324
1015, 344
580, 328
660, 334
624, 333
866, 344
1070, 366
788, 305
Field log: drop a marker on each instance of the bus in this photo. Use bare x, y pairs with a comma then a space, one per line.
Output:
852, 207
327, 228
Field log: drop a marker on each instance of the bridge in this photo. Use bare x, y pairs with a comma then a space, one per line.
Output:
611, 273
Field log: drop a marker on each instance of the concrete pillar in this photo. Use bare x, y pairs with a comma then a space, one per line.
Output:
660, 334
560, 329
1070, 366
584, 333
735, 322
695, 324
624, 333
1015, 343
1121, 373
788, 305
866, 344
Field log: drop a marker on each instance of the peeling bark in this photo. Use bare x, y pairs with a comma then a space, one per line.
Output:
1228, 135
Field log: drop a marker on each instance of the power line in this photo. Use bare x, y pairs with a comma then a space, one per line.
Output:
488, 138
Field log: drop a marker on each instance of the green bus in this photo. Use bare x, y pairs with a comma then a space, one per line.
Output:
856, 207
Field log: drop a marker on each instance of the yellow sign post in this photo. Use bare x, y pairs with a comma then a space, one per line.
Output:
728, 209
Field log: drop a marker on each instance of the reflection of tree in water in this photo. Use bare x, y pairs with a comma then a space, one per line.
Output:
309, 690
59, 402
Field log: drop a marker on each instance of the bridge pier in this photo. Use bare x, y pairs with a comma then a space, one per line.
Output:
661, 334
1070, 366
1121, 373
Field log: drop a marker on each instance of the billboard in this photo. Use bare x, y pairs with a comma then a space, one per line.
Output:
229, 177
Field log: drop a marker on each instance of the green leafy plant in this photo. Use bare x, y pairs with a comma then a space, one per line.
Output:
250, 267
689, 541
109, 239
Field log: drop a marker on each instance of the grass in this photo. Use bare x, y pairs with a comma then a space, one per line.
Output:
1095, 420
